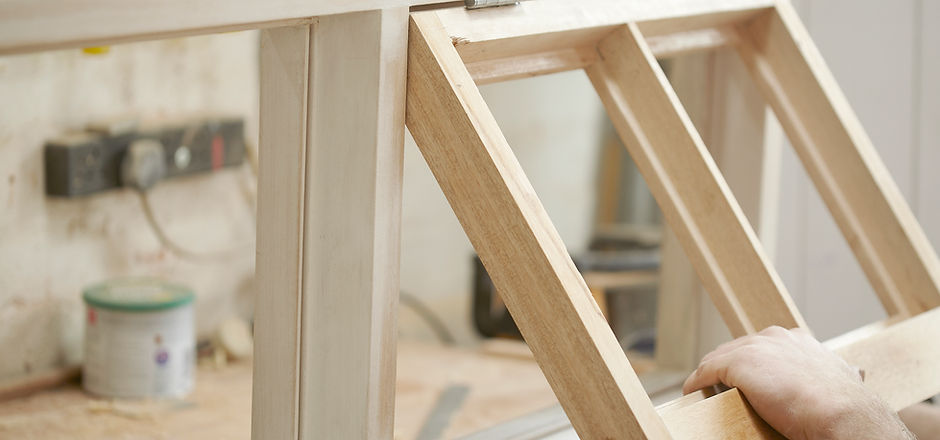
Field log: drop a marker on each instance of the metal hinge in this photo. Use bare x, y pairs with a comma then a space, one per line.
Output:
477, 4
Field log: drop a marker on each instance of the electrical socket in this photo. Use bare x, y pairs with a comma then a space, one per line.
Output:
89, 161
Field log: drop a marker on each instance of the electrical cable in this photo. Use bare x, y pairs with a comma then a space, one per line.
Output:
180, 251
139, 176
433, 321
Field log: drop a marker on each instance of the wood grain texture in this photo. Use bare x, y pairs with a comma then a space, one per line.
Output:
724, 416
686, 42
352, 220
740, 132
526, 66
517, 243
34, 25
837, 154
691, 192
282, 149
899, 361
553, 60
532, 27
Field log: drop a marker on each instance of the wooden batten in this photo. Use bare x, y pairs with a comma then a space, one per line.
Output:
333, 105
619, 43
497, 45
517, 243
352, 224
281, 170
865, 202
690, 190
552, 59
326, 314
530, 27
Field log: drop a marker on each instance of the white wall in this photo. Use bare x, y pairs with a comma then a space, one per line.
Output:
51, 248
884, 56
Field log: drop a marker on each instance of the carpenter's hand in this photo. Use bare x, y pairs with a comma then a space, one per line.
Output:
799, 387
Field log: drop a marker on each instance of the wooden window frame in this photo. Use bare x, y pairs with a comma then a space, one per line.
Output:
308, 47
451, 51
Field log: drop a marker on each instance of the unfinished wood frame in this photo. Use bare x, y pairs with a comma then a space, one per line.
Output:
301, 207
451, 50
332, 132
747, 142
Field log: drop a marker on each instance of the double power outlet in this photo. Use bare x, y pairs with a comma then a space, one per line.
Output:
94, 160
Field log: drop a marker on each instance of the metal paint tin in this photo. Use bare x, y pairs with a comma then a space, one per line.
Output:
139, 339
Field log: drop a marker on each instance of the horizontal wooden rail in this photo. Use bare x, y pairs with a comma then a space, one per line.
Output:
36, 25
899, 362
551, 25
555, 60
499, 44
680, 43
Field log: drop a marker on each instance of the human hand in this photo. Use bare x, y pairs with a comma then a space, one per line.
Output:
799, 387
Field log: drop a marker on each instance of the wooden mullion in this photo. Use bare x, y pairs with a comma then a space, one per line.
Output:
553, 60
35, 25
352, 222
866, 203
282, 150
690, 190
517, 243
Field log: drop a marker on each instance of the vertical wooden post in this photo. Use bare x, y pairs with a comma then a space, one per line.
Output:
282, 149
355, 137
332, 133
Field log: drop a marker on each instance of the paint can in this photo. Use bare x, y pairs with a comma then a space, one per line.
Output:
139, 339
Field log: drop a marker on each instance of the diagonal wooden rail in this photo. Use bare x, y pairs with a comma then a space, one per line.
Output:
517, 243
856, 186
691, 192
463, 146
360, 42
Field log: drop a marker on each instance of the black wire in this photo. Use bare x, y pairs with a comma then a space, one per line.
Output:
434, 322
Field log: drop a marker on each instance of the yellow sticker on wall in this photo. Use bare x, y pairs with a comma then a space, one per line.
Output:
96, 50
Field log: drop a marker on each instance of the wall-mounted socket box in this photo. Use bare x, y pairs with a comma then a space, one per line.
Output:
87, 162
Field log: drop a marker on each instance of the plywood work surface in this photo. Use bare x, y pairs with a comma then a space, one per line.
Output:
504, 381
219, 408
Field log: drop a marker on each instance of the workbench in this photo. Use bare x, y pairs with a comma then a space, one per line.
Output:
503, 383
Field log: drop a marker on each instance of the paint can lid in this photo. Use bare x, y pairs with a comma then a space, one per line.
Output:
137, 295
